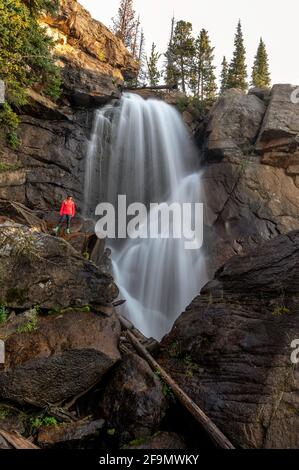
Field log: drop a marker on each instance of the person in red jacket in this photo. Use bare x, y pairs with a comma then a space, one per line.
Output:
67, 212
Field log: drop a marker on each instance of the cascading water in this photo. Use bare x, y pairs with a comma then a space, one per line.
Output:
142, 149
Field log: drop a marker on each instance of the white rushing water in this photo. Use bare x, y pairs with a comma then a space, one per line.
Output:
142, 149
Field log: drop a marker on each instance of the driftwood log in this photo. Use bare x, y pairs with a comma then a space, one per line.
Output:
213, 431
16, 440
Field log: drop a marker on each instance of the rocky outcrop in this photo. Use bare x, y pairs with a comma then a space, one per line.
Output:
93, 61
37, 268
234, 124
278, 140
230, 350
61, 356
133, 402
50, 161
249, 197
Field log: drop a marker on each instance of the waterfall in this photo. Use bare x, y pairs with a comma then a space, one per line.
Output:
141, 149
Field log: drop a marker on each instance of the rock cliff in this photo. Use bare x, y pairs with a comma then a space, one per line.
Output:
250, 153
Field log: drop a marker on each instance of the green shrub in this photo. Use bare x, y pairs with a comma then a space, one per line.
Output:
25, 59
36, 422
31, 324
3, 314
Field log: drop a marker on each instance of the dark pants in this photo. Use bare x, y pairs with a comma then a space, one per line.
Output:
67, 219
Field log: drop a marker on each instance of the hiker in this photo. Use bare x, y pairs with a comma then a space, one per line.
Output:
67, 212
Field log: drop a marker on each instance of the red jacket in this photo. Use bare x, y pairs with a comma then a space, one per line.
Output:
67, 208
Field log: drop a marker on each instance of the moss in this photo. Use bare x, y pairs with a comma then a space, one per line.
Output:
135, 443
61, 311
37, 422
175, 349
32, 324
16, 295
3, 413
8, 167
101, 56
282, 310
3, 313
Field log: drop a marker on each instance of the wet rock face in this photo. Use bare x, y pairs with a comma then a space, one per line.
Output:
133, 402
251, 176
65, 355
230, 350
37, 268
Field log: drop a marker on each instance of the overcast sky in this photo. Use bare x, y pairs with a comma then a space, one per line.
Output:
276, 21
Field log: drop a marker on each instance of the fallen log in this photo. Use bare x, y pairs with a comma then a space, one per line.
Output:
16, 440
157, 87
213, 431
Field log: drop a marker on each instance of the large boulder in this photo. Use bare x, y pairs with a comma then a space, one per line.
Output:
231, 349
133, 402
37, 268
279, 135
234, 124
62, 356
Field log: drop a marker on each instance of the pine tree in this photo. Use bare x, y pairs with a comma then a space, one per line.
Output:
224, 75
170, 71
203, 79
142, 76
153, 72
135, 39
237, 76
260, 70
124, 24
183, 50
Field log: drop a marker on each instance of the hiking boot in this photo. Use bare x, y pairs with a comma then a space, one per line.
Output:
68, 231
56, 229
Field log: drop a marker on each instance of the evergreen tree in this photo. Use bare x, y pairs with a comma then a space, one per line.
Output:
237, 76
124, 24
25, 58
224, 75
203, 79
183, 50
135, 39
260, 71
153, 72
142, 76
170, 70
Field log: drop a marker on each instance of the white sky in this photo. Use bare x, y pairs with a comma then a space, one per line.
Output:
276, 21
